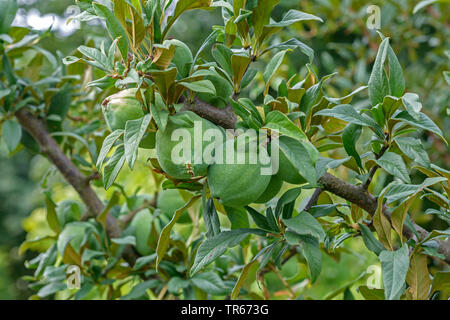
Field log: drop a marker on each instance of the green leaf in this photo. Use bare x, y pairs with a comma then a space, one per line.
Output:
100, 60
52, 288
113, 201
108, 143
138, 27
261, 15
305, 224
394, 164
348, 98
208, 41
29, 244
134, 133
371, 294
250, 268
370, 241
125, 241
8, 10
164, 79
114, 27
394, 265
176, 284
258, 218
239, 63
350, 136
286, 199
12, 134
164, 238
140, 290
309, 247
212, 222
272, 67
112, 169
299, 155
291, 45
60, 103
413, 149
222, 55
143, 261
396, 78
418, 277
52, 217
347, 113
441, 282
382, 225
422, 122
397, 192
293, 16
378, 86
211, 283
201, 86
213, 248
425, 3
181, 6
89, 255
159, 113
271, 220
280, 123
412, 103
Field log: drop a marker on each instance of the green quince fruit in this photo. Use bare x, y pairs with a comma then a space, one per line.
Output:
272, 190
122, 107
185, 167
234, 184
170, 201
142, 226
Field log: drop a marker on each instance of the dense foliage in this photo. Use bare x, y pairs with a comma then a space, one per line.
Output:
142, 226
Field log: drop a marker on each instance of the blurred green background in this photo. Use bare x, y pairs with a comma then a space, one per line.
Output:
343, 44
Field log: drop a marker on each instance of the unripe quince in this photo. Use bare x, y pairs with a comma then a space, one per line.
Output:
170, 201
272, 190
164, 146
122, 107
142, 226
237, 185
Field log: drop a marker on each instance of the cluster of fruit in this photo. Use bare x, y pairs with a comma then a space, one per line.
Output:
233, 184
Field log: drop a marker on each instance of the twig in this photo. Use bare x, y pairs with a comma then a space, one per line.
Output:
313, 200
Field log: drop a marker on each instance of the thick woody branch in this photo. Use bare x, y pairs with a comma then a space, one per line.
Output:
79, 182
222, 117
363, 199
357, 195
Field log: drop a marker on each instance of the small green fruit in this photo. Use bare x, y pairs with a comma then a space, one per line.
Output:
272, 190
237, 185
142, 225
170, 201
164, 145
121, 107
